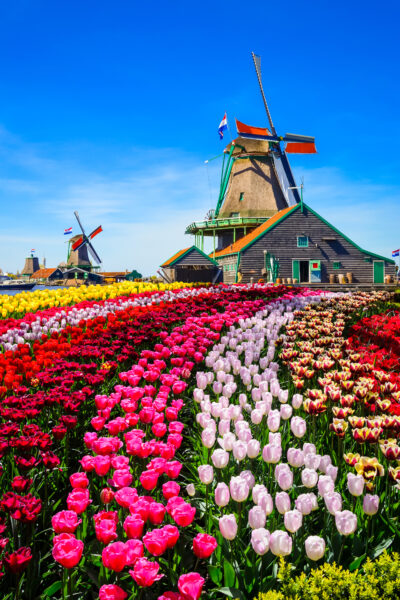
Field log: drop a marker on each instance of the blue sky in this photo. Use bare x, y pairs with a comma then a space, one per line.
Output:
111, 108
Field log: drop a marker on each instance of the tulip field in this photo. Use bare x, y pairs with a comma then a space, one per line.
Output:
165, 442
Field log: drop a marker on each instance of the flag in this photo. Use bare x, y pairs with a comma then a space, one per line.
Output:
396, 252
68, 231
222, 127
33, 250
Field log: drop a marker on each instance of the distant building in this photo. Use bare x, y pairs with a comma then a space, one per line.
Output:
31, 265
48, 274
189, 265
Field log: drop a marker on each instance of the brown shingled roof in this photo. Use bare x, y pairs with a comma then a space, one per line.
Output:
174, 257
250, 237
42, 273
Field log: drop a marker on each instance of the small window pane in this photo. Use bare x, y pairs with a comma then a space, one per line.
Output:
337, 265
302, 241
241, 196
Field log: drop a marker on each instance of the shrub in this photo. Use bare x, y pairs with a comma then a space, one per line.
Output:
376, 580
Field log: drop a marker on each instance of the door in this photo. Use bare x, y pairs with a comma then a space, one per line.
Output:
379, 271
301, 270
315, 271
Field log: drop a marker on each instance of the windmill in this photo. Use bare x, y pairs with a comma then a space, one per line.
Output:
80, 245
295, 144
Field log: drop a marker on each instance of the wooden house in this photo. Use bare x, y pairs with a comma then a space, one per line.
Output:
189, 265
49, 274
300, 245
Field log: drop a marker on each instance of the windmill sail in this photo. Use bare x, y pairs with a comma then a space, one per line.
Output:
286, 179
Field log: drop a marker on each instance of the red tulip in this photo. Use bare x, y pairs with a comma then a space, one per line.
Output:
17, 561
190, 586
204, 545
112, 592
145, 572
68, 552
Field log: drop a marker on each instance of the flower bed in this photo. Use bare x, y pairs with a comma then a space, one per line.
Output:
158, 489
30, 302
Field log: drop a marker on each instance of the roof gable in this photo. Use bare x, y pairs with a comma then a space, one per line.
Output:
179, 255
43, 273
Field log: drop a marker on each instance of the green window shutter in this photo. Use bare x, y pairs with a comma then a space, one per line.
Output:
296, 270
241, 196
337, 265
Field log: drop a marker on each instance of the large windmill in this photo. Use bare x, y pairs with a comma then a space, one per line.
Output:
295, 144
80, 245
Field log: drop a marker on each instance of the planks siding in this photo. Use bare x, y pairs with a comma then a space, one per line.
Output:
193, 258
282, 242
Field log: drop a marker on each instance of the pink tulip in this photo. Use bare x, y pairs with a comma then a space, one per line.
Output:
286, 411
257, 517
253, 448
309, 448
324, 463
332, 471
315, 547
282, 502
280, 543
333, 502
273, 420
285, 479
306, 503
355, 484
240, 449
265, 502
295, 457
325, 485
220, 458
298, 426
271, 453
206, 474
346, 522
239, 489
297, 401
249, 477
228, 526
370, 504
275, 438
208, 437
257, 490
312, 461
260, 540
309, 478
293, 520
222, 494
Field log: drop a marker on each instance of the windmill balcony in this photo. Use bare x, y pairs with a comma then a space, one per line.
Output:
212, 225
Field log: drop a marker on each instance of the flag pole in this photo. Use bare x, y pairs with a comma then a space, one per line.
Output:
229, 129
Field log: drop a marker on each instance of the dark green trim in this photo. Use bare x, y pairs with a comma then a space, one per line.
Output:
237, 267
164, 265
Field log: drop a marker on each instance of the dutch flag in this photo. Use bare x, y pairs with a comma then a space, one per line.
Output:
222, 127
396, 252
68, 231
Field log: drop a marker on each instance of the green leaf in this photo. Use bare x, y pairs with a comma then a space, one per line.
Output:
382, 546
357, 562
215, 574
229, 574
232, 593
52, 589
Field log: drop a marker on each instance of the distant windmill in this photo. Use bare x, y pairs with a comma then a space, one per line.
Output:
81, 244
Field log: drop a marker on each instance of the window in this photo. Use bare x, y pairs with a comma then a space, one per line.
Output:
241, 196
302, 241
337, 265
234, 215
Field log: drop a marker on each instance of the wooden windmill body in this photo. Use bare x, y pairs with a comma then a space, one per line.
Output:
256, 181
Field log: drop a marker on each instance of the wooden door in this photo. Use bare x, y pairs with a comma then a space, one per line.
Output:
379, 271
315, 271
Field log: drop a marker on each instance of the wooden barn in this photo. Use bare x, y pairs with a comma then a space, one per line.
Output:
189, 265
299, 245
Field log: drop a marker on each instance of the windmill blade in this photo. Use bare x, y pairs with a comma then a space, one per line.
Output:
294, 137
95, 232
79, 222
257, 65
93, 253
79, 242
